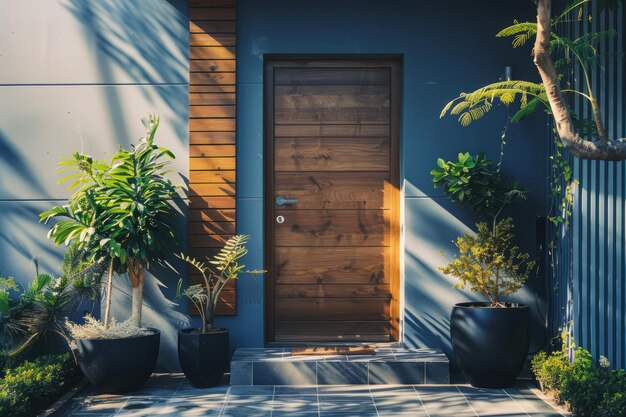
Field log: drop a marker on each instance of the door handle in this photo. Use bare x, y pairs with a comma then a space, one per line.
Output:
282, 201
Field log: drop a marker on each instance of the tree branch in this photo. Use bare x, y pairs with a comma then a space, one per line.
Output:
599, 148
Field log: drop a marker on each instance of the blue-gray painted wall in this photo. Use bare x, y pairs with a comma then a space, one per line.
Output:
79, 74
447, 47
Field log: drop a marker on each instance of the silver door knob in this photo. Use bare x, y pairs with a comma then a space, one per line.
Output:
282, 201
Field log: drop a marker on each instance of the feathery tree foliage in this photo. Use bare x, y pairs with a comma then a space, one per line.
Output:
123, 209
583, 138
216, 273
489, 263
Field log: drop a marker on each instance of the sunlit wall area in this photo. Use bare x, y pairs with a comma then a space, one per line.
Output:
78, 75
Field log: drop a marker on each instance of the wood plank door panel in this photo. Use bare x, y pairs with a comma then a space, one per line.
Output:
332, 133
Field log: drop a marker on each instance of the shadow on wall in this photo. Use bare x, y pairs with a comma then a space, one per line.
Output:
146, 42
22, 237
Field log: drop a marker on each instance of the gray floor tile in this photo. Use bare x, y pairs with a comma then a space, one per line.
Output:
396, 372
332, 373
295, 390
283, 373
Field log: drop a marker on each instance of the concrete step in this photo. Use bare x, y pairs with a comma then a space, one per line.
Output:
276, 366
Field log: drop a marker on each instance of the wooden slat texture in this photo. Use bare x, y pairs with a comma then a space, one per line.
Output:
212, 177
212, 26
211, 215
212, 65
211, 164
330, 190
332, 291
212, 138
218, 39
326, 76
332, 228
211, 111
329, 309
331, 154
344, 331
333, 149
333, 130
212, 135
351, 265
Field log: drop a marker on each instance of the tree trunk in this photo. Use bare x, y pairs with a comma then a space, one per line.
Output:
135, 273
599, 148
107, 308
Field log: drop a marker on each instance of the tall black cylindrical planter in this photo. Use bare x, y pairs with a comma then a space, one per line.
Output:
115, 366
490, 344
203, 356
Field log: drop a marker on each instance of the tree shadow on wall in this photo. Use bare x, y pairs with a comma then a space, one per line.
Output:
140, 42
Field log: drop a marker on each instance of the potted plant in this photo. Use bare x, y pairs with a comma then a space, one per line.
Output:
490, 339
121, 212
203, 352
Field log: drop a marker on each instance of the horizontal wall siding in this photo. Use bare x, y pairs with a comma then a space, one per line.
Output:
599, 212
212, 67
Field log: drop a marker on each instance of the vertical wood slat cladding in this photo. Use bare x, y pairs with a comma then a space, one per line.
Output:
212, 88
332, 143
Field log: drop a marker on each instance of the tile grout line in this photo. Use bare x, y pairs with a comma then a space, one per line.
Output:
419, 397
466, 400
317, 396
273, 400
516, 403
369, 389
223, 407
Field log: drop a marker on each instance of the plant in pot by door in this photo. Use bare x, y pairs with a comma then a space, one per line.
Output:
121, 213
490, 339
203, 352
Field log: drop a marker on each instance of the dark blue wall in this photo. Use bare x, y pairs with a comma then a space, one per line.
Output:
447, 47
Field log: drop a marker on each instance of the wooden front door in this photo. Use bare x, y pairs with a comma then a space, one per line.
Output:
332, 199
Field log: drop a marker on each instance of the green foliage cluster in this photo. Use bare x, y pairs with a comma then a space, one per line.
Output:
489, 263
122, 210
474, 181
30, 387
123, 206
216, 272
31, 318
589, 389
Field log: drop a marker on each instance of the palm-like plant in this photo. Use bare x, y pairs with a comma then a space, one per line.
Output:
122, 210
582, 51
216, 273
29, 319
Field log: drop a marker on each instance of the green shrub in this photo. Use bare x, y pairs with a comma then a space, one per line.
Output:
589, 389
33, 385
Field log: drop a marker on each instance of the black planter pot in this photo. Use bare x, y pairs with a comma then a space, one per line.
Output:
490, 344
203, 356
115, 366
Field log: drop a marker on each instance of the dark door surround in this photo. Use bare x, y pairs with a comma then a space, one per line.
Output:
394, 64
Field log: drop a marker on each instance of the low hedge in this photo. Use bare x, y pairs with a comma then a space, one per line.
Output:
588, 388
32, 386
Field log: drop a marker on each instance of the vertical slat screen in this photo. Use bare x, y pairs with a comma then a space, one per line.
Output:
598, 258
212, 134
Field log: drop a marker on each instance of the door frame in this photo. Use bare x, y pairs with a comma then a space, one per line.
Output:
394, 63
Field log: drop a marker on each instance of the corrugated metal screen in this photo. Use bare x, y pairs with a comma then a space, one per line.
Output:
595, 257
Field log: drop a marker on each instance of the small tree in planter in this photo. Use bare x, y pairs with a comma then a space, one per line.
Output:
203, 352
490, 339
122, 211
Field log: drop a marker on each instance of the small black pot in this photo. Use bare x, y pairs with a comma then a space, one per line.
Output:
490, 344
203, 356
115, 366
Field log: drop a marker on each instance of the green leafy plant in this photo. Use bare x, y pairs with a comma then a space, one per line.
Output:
489, 263
477, 183
588, 388
122, 210
29, 319
31, 386
216, 273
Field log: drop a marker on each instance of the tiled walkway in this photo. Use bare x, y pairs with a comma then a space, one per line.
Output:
171, 395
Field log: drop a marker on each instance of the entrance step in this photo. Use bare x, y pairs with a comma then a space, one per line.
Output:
277, 366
